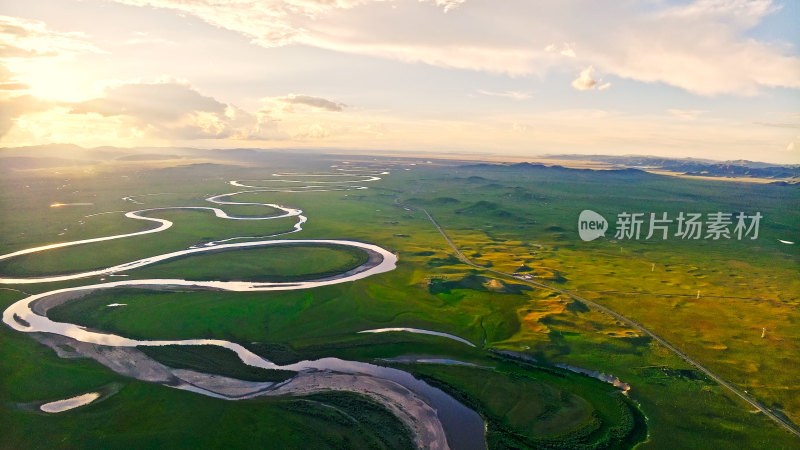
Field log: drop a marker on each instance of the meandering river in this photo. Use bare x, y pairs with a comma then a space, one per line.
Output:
463, 427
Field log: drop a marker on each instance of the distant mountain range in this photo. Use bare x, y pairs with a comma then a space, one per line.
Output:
65, 155
697, 167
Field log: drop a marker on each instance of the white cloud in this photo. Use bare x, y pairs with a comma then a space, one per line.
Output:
173, 109
169, 110
702, 46
585, 82
165, 100
565, 49
604, 86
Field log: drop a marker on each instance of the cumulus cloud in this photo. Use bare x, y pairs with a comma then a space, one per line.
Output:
173, 109
313, 102
585, 82
700, 46
164, 101
166, 109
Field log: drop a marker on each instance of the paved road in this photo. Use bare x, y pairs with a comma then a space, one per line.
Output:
785, 424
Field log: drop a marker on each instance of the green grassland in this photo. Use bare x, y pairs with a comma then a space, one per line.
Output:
521, 219
191, 227
541, 408
272, 263
745, 285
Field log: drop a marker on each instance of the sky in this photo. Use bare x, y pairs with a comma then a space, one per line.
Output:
716, 79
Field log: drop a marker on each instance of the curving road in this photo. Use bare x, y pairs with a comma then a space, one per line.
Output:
693, 362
